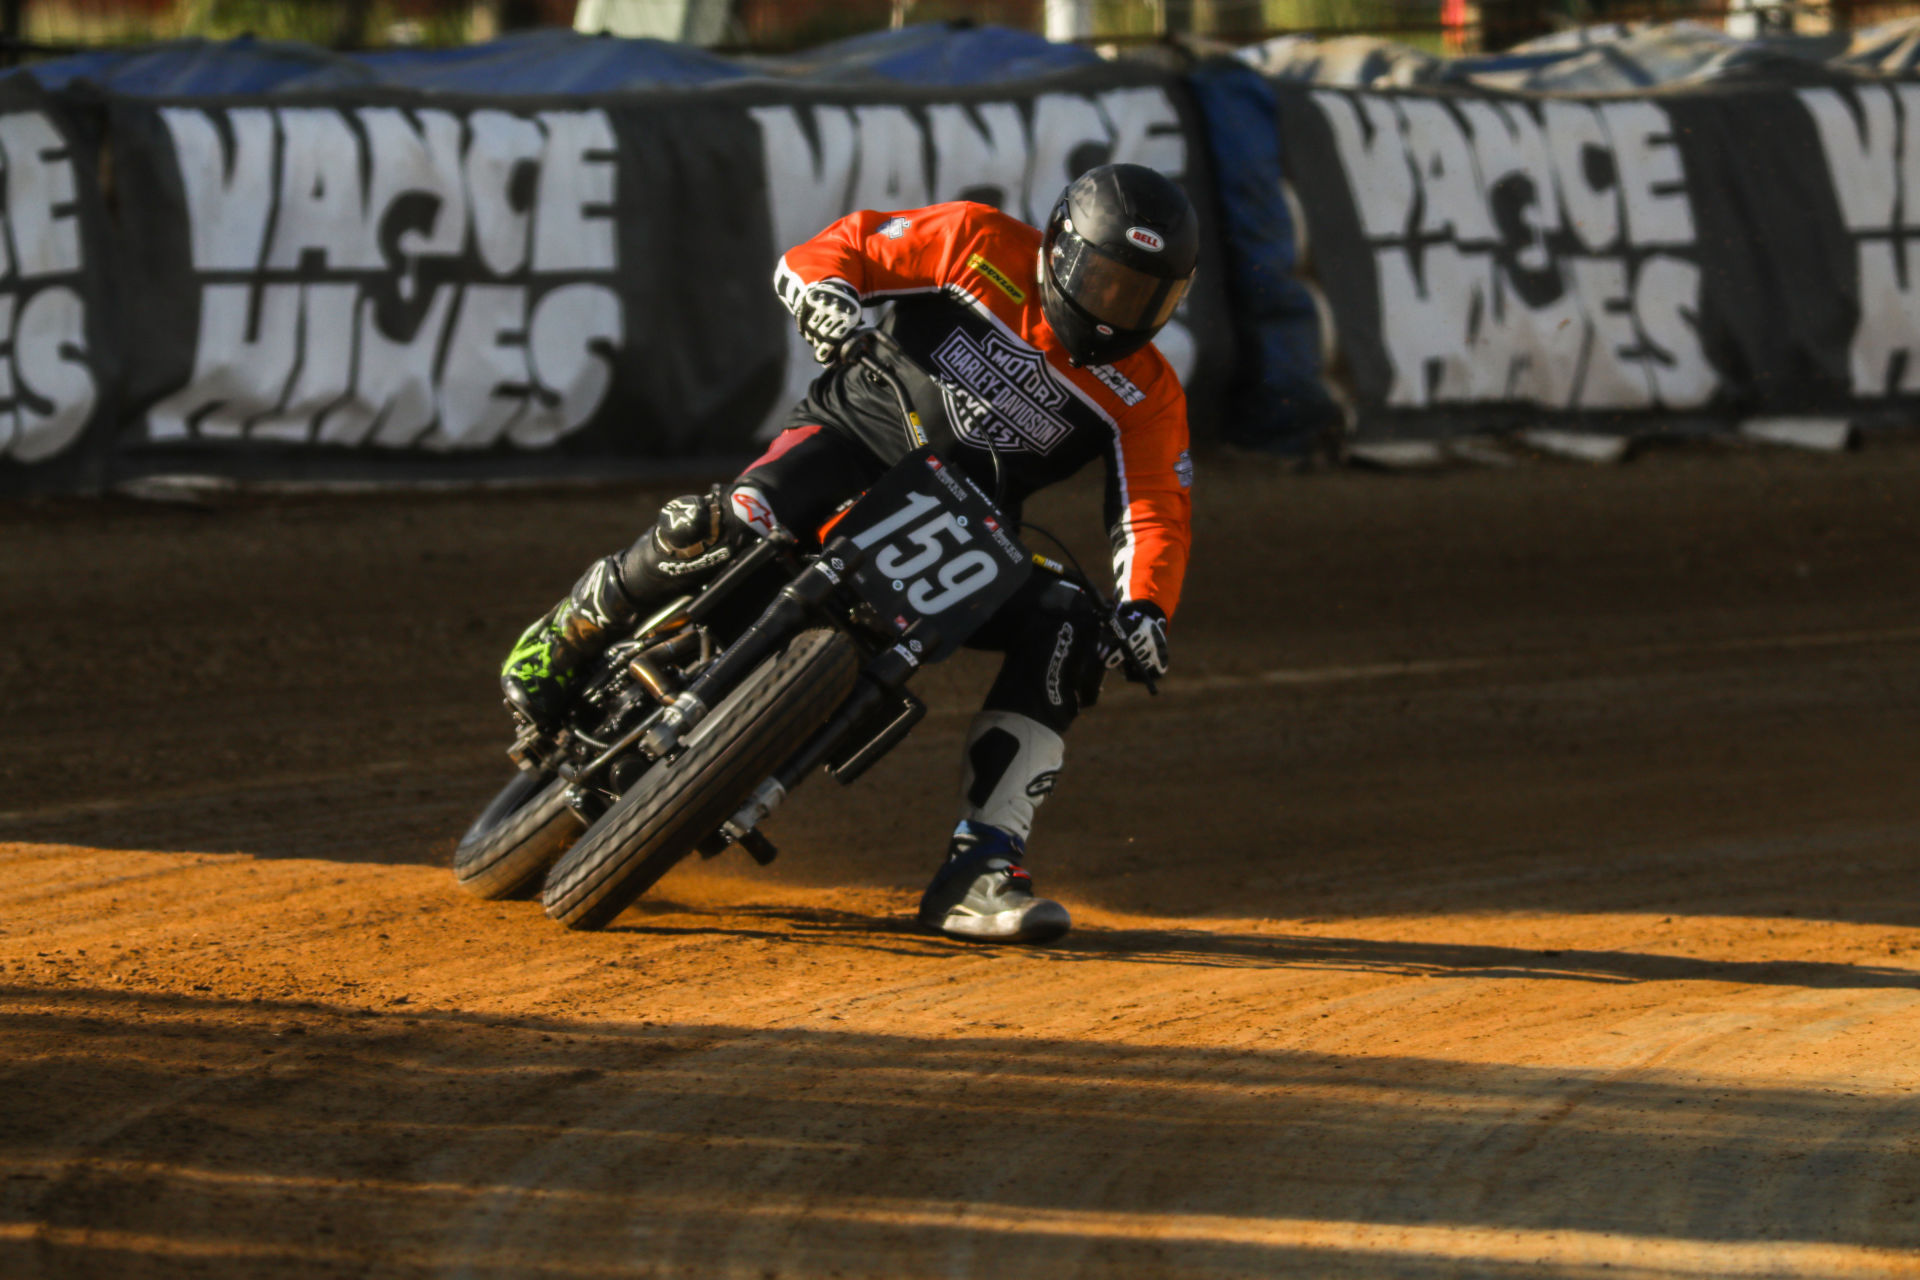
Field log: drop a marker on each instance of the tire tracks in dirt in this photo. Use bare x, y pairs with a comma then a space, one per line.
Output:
1517, 881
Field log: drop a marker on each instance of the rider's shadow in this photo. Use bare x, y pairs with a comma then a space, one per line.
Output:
902, 935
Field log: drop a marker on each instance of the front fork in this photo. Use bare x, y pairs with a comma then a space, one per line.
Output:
660, 738
660, 735
642, 664
882, 681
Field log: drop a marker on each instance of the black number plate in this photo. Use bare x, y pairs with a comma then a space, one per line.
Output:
935, 550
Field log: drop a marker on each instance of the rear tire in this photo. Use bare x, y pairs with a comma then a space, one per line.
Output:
651, 828
516, 838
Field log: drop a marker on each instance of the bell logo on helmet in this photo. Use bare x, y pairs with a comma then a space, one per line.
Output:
1146, 239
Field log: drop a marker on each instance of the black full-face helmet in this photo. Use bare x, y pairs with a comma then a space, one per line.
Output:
1116, 258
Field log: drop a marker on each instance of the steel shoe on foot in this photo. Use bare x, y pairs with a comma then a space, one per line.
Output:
983, 893
538, 677
539, 670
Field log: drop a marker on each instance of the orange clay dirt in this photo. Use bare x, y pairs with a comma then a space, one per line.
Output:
1519, 877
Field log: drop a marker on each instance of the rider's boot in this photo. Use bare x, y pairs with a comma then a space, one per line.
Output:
686, 545
981, 891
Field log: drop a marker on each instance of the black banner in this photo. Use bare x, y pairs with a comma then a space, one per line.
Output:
57, 368
408, 286
393, 285
1679, 260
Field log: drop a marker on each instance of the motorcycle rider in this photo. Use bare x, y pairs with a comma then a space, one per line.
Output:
1040, 342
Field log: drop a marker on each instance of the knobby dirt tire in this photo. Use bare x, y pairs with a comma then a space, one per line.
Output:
652, 827
516, 838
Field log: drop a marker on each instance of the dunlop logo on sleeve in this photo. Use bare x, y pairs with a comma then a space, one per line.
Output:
1000, 279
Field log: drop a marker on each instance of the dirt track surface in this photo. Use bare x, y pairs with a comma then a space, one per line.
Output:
1518, 878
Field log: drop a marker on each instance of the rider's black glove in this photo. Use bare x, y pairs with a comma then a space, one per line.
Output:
827, 312
1143, 628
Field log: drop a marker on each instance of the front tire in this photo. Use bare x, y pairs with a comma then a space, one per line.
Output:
653, 826
521, 833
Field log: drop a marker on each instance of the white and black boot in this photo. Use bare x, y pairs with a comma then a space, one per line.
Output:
981, 891
687, 544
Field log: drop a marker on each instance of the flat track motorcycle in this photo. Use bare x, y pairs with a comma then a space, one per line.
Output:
690, 731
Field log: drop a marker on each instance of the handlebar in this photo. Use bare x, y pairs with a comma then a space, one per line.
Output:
1136, 672
858, 348
877, 352
1115, 638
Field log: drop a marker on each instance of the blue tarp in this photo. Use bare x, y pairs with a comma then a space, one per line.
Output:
562, 61
552, 61
1609, 58
201, 67
934, 53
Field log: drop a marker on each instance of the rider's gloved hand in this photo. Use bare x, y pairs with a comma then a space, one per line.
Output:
1144, 629
827, 312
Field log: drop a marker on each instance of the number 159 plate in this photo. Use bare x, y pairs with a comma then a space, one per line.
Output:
935, 550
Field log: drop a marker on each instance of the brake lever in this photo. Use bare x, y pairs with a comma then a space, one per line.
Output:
855, 347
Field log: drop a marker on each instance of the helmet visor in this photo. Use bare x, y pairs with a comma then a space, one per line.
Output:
1108, 289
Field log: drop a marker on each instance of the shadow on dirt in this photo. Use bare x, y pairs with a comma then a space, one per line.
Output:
1208, 949
275, 1133
387, 812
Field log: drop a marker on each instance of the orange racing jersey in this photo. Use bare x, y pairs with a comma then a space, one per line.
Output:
962, 278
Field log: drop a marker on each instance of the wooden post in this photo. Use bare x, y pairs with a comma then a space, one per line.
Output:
350, 20
1069, 19
1229, 18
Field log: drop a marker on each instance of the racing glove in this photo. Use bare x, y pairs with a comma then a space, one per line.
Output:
1143, 629
826, 313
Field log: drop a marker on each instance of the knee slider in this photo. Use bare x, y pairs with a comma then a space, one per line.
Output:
690, 526
689, 541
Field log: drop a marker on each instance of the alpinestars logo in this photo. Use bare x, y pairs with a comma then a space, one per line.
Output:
750, 507
1001, 393
1062, 647
699, 564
